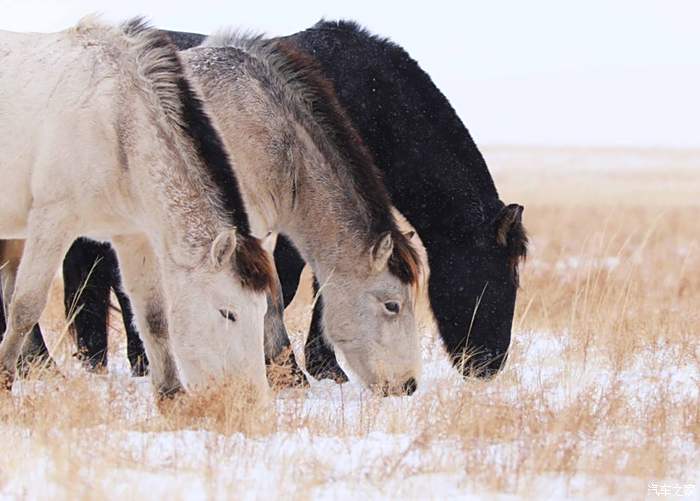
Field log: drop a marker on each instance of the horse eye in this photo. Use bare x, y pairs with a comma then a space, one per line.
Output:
228, 315
392, 307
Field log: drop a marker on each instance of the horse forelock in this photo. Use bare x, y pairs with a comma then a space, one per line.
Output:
254, 266
167, 81
404, 262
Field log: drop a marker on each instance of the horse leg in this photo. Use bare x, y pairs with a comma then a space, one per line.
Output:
320, 357
86, 299
134, 346
142, 281
135, 351
276, 337
34, 351
282, 367
2, 314
47, 242
289, 266
3, 303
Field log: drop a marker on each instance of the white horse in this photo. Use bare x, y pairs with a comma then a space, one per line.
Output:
304, 172
103, 135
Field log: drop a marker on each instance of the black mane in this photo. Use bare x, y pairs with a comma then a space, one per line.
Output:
188, 113
198, 126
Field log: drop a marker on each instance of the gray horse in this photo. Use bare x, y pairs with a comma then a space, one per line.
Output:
305, 172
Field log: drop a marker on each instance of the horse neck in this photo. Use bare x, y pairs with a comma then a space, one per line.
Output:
330, 222
307, 194
174, 202
304, 197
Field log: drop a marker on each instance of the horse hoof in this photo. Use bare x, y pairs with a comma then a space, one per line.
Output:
139, 367
166, 393
330, 371
338, 377
139, 371
6, 380
37, 368
284, 372
169, 400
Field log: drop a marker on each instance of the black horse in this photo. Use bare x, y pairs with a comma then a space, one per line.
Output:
436, 177
90, 270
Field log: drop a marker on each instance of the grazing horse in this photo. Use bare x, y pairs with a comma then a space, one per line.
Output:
103, 134
305, 172
436, 177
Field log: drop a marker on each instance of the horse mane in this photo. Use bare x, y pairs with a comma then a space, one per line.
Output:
300, 81
163, 82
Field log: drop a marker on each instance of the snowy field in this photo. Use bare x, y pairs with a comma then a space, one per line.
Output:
365, 447
600, 397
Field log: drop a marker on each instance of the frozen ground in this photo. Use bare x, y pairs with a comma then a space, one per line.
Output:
366, 455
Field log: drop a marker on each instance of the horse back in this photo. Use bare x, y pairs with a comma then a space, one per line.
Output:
57, 117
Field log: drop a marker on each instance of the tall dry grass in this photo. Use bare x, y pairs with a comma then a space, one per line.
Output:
600, 395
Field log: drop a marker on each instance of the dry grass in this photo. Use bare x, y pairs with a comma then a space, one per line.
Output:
600, 395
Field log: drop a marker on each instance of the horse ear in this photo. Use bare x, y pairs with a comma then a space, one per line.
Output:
409, 235
268, 242
509, 218
381, 252
222, 248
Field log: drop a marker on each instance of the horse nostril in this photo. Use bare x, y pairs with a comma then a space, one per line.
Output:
409, 387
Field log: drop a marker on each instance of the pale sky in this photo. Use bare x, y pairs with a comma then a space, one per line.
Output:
593, 73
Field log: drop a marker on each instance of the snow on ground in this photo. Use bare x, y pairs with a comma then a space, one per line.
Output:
375, 464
